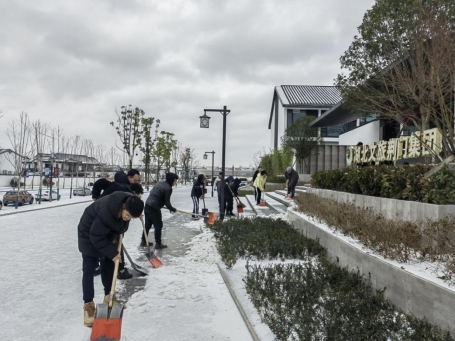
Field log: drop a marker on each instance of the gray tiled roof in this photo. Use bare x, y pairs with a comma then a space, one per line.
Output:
311, 95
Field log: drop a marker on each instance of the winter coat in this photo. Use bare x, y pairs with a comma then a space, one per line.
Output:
260, 182
235, 187
198, 189
255, 175
293, 178
160, 195
103, 187
227, 191
218, 184
101, 225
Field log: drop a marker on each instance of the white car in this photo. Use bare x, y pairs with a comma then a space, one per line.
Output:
80, 191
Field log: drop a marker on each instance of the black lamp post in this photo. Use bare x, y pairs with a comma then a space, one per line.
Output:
205, 158
205, 124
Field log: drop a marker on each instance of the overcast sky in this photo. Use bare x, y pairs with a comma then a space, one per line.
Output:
73, 63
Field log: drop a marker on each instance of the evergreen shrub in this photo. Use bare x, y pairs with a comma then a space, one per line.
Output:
401, 182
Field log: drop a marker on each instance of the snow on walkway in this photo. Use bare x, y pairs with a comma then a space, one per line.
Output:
42, 297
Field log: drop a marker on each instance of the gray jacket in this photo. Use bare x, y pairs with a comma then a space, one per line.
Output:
160, 196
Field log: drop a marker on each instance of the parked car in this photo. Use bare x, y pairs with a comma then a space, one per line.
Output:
243, 182
1, 205
10, 197
80, 191
45, 196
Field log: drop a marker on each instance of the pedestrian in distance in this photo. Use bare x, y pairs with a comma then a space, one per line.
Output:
159, 196
258, 171
292, 178
197, 192
122, 183
218, 187
228, 198
259, 185
99, 231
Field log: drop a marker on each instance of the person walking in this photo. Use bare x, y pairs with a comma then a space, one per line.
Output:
218, 188
258, 171
99, 230
228, 198
292, 178
197, 192
159, 196
259, 185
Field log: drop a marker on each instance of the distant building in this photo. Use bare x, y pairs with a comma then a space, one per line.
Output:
293, 101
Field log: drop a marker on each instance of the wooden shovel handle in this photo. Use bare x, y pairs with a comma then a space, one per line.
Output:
114, 280
190, 213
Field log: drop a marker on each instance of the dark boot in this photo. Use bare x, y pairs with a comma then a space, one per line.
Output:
144, 244
124, 274
160, 246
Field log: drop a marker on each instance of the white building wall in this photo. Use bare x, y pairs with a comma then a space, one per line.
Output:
367, 134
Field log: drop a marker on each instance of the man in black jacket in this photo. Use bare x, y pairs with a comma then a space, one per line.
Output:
122, 183
98, 234
197, 192
228, 198
292, 178
159, 196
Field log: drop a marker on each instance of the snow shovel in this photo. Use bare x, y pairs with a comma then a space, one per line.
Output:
262, 202
136, 267
108, 317
210, 219
204, 210
154, 260
240, 204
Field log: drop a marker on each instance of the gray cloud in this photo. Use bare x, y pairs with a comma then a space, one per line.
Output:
74, 63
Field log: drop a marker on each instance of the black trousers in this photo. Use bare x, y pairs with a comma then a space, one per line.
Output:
258, 196
153, 217
255, 193
229, 205
195, 205
291, 190
89, 264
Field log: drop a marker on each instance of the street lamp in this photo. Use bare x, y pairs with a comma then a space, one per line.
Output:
205, 158
205, 124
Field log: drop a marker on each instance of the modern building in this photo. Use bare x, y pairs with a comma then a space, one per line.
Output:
293, 101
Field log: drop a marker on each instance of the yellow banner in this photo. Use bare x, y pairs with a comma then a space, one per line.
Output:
403, 147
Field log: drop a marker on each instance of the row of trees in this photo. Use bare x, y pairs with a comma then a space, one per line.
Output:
158, 151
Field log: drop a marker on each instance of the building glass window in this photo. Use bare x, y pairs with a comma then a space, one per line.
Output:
294, 114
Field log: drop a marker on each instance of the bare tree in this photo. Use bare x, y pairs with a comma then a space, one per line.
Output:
402, 67
39, 131
128, 130
18, 134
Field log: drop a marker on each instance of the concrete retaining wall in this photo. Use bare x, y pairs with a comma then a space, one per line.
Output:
389, 208
413, 294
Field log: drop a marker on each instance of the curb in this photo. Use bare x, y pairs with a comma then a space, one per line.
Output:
239, 306
45, 208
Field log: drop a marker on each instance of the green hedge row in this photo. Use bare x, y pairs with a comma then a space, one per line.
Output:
390, 182
312, 299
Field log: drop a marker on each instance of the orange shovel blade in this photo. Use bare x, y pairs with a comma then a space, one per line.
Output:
106, 329
156, 263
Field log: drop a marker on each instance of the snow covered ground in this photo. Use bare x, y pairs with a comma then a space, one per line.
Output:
186, 299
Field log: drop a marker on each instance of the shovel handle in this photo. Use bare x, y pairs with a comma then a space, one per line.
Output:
190, 213
114, 279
